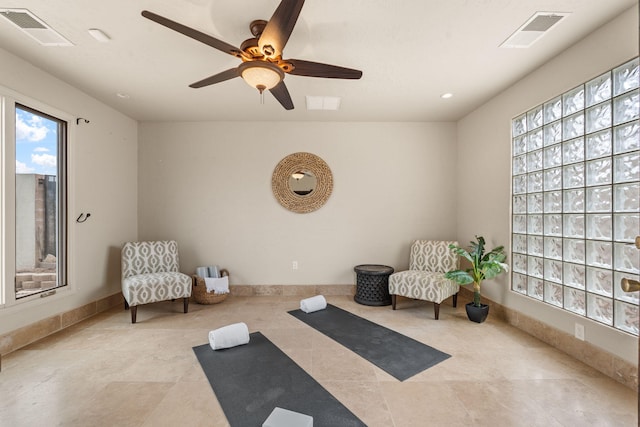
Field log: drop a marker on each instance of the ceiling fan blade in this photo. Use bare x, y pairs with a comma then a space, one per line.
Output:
277, 31
216, 78
281, 93
316, 69
194, 34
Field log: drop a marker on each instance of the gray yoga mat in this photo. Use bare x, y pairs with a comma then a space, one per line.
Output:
251, 380
396, 354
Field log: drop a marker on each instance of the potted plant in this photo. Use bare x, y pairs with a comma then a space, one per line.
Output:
483, 266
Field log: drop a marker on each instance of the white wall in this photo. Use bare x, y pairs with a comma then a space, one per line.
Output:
208, 185
484, 164
103, 163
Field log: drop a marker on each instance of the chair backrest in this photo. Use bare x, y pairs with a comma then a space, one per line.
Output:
433, 255
149, 257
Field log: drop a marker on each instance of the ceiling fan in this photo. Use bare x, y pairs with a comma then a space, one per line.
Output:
262, 65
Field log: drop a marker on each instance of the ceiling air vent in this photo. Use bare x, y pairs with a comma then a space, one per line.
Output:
533, 29
34, 27
323, 102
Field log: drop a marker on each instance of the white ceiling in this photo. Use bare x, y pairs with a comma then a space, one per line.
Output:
410, 52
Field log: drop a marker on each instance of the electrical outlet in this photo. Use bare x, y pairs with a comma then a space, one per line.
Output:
579, 331
294, 265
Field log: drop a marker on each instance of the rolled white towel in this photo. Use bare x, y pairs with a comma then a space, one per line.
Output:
229, 336
312, 304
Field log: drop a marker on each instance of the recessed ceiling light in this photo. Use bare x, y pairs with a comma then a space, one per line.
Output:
446, 95
99, 35
122, 95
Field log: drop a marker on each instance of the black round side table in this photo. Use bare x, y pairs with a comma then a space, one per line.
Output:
372, 284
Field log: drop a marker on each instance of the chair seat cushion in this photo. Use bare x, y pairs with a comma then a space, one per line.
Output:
423, 285
153, 287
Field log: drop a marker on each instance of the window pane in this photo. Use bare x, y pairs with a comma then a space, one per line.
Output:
626, 227
574, 275
574, 300
535, 140
626, 167
535, 288
600, 309
600, 281
552, 133
573, 101
599, 117
573, 151
573, 126
519, 283
534, 161
553, 293
573, 226
520, 145
573, 175
598, 144
626, 108
599, 227
626, 197
626, 77
627, 137
598, 89
574, 252
626, 317
39, 189
553, 110
520, 125
574, 200
599, 172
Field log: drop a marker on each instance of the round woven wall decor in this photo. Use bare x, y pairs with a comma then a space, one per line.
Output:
297, 162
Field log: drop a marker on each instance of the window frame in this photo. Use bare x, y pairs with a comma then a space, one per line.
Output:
9, 100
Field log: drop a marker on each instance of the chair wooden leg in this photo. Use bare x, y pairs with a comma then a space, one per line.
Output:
393, 302
134, 311
436, 309
186, 304
455, 299
126, 305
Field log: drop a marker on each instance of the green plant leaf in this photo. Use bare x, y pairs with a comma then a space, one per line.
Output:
461, 252
459, 276
496, 254
491, 270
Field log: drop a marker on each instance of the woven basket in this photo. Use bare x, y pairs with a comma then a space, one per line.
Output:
200, 293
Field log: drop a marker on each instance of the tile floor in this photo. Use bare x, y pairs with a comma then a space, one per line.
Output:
107, 372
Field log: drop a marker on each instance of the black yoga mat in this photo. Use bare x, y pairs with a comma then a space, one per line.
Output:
251, 380
397, 354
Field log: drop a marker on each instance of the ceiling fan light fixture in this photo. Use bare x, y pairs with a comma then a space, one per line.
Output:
261, 75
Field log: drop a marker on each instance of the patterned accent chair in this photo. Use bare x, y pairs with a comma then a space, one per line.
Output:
424, 280
150, 274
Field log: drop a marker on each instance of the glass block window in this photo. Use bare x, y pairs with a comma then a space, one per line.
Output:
576, 199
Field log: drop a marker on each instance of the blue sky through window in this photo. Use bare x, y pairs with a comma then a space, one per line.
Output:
36, 143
